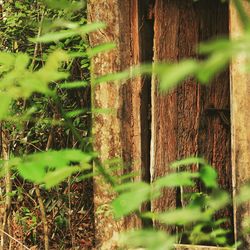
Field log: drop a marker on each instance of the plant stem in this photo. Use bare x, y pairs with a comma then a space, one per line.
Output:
43, 217
8, 184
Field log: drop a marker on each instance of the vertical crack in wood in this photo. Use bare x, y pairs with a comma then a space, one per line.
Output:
146, 35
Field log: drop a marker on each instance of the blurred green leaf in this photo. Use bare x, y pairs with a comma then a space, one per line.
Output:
213, 65
5, 105
54, 178
73, 85
147, 239
176, 180
188, 161
209, 176
43, 166
130, 200
100, 49
175, 73
217, 200
244, 194
63, 34
182, 216
65, 4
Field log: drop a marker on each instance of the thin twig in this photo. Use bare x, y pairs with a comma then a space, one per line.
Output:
8, 182
43, 217
11, 237
37, 44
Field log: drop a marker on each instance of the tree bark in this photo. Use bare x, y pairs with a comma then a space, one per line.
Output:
118, 133
182, 124
240, 103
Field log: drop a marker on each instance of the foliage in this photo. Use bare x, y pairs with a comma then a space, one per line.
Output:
29, 76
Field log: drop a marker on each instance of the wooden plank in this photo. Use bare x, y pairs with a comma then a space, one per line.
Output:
118, 134
214, 103
182, 124
163, 142
193, 247
240, 104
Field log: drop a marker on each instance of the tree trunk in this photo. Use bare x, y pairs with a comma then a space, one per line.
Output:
240, 103
118, 133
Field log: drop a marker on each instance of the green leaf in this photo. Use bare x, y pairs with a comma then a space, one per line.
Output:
112, 77
182, 216
73, 85
7, 61
22, 61
42, 167
217, 45
5, 105
131, 200
63, 34
244, 194
217, 200
209, 176
64, 4
32, 171
75, 113
56, 177
213, 65
55, 36
59, 4
188, 161
147, 239
175, 73
100, 49
176, 180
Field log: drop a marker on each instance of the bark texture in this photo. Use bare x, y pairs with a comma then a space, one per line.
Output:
187, 121
118, 133
240, 103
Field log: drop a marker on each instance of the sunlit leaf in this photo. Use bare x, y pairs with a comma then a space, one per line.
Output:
218, 200
175, 73
43, 166
32, 171
244, 194
100, 48
188, 161
73, 85
54, 178
147, 239
63, 34
65, 4
209, 176
182, 216
176, 180
5, 105
131, 200
213, 65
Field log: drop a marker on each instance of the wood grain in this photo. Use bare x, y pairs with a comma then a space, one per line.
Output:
240, 104
181, 125
193, 247
119, 134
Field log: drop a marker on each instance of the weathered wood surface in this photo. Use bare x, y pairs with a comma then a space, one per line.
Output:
193, 247
240, 105
214, 135
118, 134
164, 141
186, 121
